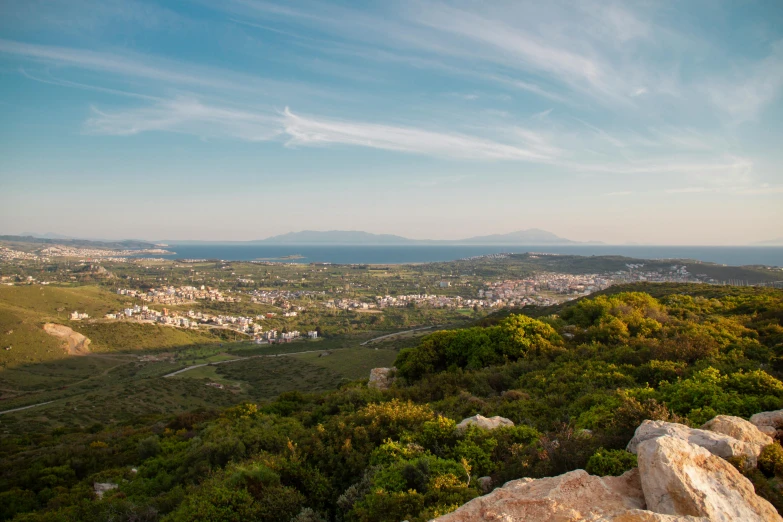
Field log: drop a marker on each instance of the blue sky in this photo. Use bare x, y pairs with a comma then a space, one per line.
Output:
652, 121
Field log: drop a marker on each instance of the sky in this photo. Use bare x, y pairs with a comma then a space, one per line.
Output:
650, 121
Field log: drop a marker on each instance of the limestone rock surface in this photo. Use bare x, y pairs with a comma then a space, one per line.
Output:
381, 378
485, 423
681, 478
768, 419
737, 428
570, 497
716, 443
102, 487
642, 515
485, 483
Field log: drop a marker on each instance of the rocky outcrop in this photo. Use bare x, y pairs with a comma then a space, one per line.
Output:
102, 487
681, 478
739, 429
485, 483
716, 443
485, 423
381, 378
74, 343
768, 422
569, 497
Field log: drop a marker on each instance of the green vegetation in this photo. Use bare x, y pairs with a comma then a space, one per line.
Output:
576, 380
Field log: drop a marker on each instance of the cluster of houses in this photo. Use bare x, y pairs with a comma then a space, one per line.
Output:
281, 297
402, 301
564, 284
272, 336
190, 319
9, 254
97, 253
434, 301
78, 316
179, 295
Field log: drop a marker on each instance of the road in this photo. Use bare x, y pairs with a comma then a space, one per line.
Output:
25, 407
172, 374
395, 333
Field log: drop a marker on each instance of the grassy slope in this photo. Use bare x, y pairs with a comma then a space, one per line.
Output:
25, 309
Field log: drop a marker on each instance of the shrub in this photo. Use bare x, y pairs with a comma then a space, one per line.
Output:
148, 447
610, 462
770, 460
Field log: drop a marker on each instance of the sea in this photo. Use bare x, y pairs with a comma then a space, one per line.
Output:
371, 254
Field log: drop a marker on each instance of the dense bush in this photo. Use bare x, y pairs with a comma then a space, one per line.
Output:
610, 462
360, 454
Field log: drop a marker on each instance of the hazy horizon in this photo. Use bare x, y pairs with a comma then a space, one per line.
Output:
776, 242
656, 123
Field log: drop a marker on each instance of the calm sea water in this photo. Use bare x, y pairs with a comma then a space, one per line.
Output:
770, 256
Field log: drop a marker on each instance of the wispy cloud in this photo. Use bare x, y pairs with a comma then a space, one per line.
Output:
619, 193
318, 131
188, 116
750, 86
160, 70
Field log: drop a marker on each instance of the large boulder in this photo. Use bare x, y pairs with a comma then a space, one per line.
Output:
716, 443
768, 422
485, 423
681, 478
570, 497
381, 378
739, 429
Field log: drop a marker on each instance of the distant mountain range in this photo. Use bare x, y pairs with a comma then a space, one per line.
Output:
125, 244
48, 235
531, 236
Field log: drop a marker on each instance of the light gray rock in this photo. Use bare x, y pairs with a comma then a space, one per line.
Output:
569, 497
680, 478
739, 429
716, 443
485, 423
485, 483
773, 419
381, 378
102, 487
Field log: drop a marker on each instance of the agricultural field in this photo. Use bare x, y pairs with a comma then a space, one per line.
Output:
114, 388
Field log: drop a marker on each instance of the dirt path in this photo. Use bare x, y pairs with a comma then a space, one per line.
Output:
183, 370
395, 334
25, 407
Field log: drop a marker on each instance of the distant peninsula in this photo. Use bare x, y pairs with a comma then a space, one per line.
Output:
532, 236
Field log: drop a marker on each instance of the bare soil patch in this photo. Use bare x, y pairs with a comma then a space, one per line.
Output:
74, 343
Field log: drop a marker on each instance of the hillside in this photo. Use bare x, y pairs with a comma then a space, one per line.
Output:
603, 364
336, 237
531, 236
24, 310
129, 244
